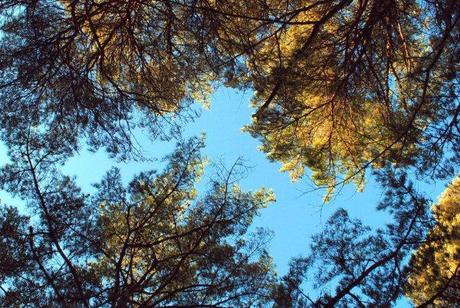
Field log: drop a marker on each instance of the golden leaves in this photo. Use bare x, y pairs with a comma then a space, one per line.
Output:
438, 260
336, 97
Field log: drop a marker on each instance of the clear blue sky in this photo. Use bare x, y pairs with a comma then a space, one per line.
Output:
294, 217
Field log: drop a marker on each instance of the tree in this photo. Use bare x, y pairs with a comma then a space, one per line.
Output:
151, 243
352, 265
340, 85
344, 85
435, 275
99, 69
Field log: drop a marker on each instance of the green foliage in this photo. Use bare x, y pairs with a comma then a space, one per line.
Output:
98, 69
152, 243
351, 265
340, 86
13, 260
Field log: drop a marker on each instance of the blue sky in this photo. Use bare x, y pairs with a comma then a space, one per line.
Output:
295, 215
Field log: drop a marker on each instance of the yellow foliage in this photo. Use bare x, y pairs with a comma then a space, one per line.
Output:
436, 261
138, 49
326, 117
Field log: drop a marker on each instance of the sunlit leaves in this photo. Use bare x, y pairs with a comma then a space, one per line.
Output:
340, 86
159, 241
99, 69
436, 264
355, 84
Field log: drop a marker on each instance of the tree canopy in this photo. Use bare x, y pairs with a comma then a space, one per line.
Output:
436, 263
351, 84
340, 87
351, 264
152, 243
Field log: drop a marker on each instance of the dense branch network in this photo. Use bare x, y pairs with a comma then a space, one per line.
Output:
340, 86
153, 243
